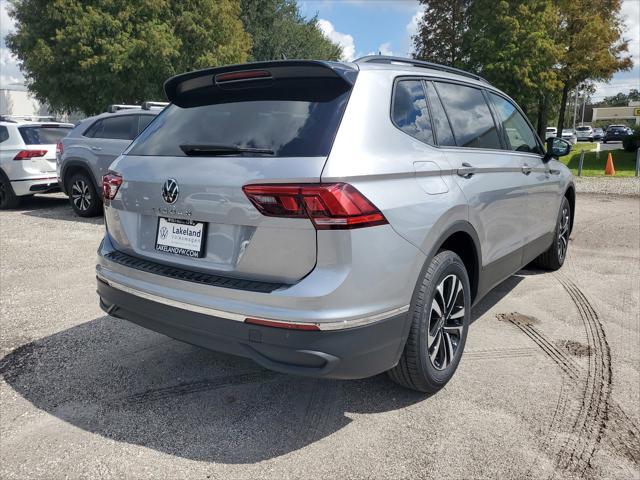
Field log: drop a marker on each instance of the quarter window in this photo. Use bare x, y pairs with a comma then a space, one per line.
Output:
4, 134
470, 117
520, 137
410, 111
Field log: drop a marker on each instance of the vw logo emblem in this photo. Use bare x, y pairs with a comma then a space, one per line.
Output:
170, 191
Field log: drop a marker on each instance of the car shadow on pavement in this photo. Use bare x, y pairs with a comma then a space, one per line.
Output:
126, 383
498, 293
55, 207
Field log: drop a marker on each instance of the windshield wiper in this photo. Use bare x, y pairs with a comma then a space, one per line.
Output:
194, 150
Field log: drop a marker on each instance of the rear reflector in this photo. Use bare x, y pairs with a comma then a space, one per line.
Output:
329, 206
110, 184
287, 325
59, 148
27, 154
245, 75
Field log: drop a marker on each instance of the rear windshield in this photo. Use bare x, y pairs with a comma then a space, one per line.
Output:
617, 129
583, 129
41, 135
290, 127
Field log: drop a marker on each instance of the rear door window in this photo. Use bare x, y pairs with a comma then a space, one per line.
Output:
42, 134
410, 111
469, 115
123, 127
520, 137
299, 121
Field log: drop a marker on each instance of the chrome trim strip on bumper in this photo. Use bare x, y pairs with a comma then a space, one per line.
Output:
339, 325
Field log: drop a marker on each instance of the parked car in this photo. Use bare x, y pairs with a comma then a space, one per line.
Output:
598, 134
551, 132
615, 133
364, 214
584, 133
570, 135
86, 153
28, 157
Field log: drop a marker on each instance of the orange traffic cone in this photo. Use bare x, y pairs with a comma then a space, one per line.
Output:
609, 169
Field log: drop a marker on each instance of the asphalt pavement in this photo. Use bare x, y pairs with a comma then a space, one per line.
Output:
548, 387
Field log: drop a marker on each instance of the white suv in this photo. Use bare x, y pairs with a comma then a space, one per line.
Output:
28, 157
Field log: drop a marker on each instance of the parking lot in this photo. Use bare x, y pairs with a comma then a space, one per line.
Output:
549, 385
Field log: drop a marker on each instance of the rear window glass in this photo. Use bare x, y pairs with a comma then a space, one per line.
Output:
469, 115
289, 127
38, 135
583, 129
123, 127
440, 122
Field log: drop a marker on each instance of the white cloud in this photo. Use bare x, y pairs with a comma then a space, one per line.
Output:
631, 13
9, 70
412, 26
343, 39
385, 49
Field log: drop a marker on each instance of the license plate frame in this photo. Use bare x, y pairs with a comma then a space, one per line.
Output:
183, 244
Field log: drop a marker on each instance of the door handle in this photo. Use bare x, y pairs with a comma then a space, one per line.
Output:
467, 170
526, 169
96, 149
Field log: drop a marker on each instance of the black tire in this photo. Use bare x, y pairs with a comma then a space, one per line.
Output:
556, 254
8, 198
418, 367
83, 197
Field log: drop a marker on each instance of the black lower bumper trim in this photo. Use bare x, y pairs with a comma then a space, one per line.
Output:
347, 354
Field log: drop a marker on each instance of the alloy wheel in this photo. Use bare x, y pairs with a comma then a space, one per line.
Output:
446, 321
81, 195
563, 234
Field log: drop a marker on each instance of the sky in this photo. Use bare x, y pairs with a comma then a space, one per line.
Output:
364, 27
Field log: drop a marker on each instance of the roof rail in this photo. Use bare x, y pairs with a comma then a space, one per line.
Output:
31, 118
417, 63
150, 105
117, 106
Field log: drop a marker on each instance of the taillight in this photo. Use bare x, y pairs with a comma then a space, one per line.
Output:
59, 149
110, 184
329, 206
27, 154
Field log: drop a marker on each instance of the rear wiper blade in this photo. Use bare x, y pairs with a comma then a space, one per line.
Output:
211, 150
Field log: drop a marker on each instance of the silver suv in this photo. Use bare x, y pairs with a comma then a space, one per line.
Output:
85, 154
330, 219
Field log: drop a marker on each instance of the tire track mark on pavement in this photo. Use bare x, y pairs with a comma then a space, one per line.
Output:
500, 353
574, 436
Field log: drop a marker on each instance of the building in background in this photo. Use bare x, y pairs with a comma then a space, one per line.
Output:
15, 99
617, 114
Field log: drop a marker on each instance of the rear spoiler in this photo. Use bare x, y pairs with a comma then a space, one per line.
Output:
250, 74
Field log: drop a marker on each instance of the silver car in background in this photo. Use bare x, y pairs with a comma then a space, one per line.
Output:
85, 154
330, 219
584, 133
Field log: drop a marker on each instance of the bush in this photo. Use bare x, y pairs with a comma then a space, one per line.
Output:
631, 142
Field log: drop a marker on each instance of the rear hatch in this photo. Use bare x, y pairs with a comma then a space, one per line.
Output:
43, 138
181, 201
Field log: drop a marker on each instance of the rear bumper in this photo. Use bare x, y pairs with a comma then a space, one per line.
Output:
29, 186
347, 353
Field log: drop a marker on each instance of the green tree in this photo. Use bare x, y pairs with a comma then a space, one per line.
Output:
278, 31
509, 43
589, 32
619, 99
441, 31
83, 55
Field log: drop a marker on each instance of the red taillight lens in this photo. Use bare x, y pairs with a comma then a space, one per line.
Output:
242, 75
287, 325
27, 154
59, 148
110, 184
329, 206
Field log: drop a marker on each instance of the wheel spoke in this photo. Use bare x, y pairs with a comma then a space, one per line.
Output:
436, 347
436, 308
458, 314
453, 330
448, 348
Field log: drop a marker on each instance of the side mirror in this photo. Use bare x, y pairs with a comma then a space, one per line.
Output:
557, 147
